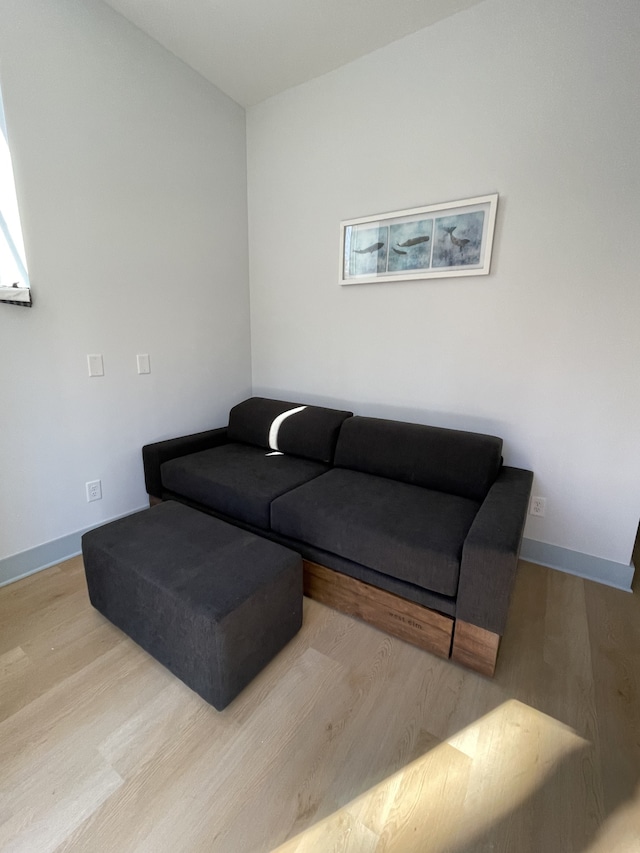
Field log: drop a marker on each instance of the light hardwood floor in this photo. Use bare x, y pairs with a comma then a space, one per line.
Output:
348, 741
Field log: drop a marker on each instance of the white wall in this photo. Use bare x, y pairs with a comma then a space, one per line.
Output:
131, 174
535, 100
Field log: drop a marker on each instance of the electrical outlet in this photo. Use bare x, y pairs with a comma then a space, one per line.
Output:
538, 506
94, 490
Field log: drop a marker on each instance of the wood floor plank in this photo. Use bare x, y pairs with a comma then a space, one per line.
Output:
425, 628
155, 785
350, 740
262, 752
615, 661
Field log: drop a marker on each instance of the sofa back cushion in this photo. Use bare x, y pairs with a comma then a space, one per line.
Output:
458, 463
307, 431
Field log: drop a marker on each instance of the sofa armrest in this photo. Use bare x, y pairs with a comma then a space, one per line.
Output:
154, 455
490, 552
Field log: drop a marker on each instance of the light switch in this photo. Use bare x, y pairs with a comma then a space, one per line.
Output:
143, 364
96, 365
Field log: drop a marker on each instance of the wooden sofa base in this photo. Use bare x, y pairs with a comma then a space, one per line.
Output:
473, 647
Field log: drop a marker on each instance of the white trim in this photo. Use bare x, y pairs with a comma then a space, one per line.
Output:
49, 554
574, 563
585, 566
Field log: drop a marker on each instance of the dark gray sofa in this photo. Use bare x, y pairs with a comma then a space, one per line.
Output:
416, 529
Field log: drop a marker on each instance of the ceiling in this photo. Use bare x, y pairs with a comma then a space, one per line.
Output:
253, 49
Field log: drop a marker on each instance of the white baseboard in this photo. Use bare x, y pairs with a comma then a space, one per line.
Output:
44, 556
574, 563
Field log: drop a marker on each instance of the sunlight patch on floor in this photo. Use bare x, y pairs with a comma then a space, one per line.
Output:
453, 793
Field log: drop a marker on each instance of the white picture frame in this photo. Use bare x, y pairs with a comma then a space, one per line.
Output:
436, 241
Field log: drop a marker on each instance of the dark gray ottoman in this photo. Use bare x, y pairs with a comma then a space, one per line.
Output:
211, 602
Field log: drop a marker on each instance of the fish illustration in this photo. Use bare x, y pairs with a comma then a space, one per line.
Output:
398, 251
414, 241
460, 242
374, 247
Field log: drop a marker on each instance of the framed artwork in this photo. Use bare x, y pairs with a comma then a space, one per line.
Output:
439, 240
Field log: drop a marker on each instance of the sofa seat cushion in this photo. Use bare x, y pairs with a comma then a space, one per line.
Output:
237, 480
404, 531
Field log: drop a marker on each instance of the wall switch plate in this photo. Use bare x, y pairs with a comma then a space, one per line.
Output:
143, 364
94, 490
96, 365
538, 506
